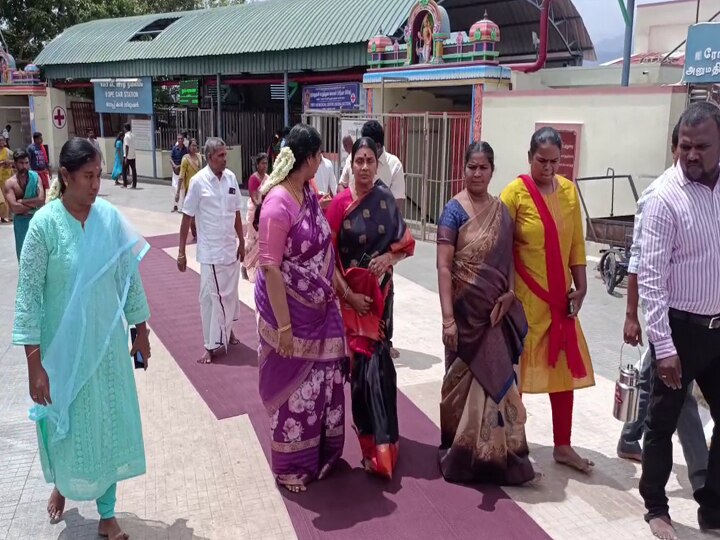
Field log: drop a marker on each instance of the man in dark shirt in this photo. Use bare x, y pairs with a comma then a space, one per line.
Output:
176, 154
39, 159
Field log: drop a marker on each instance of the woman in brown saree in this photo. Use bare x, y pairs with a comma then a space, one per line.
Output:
482, 417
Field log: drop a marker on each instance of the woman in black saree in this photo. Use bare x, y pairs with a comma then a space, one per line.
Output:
370, 237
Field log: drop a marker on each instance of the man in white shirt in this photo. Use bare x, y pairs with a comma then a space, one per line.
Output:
93, 140
690, 429
325, 179
129, 156
390, 169
214, 201
680, 292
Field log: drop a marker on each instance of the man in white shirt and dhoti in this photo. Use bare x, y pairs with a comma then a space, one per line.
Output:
214, 201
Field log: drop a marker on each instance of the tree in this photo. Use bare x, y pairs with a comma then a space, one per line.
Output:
28, 25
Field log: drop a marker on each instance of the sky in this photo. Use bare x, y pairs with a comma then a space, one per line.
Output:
603, 18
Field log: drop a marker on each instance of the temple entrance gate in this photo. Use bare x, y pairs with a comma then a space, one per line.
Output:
430, 145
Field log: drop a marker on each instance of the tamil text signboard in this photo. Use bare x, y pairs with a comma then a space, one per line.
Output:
333, 97
702, 54
124, 96
189, 93
570, 154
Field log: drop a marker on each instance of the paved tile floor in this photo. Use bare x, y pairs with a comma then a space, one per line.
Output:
208, 479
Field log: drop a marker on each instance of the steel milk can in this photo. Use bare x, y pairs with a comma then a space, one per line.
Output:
627, 392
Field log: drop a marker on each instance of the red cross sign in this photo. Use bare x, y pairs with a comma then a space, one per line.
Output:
58, 117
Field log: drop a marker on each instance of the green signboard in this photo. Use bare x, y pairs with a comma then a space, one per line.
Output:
189, 93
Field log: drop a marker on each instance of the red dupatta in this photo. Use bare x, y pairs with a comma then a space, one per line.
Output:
363, 330
563, 331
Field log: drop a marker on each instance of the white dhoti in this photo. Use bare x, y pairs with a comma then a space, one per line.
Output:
175, 182
219, 303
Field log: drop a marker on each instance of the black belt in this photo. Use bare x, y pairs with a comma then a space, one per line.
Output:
706, 321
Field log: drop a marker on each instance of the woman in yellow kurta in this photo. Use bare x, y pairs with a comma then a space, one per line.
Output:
6, 171
190, 165
549, 261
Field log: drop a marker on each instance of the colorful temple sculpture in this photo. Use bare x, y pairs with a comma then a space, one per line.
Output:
10, 75
428, 41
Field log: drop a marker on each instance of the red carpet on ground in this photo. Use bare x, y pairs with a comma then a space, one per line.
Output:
350, 505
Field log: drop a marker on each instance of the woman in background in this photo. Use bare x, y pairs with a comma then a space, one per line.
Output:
6, 171
549, 259
190, 165
118, 165
255, 182
482, 418
370, 238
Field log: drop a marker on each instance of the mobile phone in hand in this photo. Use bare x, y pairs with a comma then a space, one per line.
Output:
571, 304
138, 358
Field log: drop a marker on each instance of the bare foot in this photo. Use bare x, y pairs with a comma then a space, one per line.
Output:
566, 455
394, 353
110, 528
663, 528
233, 339
206, 358
56, 505
535, 481
295, 488
631, 456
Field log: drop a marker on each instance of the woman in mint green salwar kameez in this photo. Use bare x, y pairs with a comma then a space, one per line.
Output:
78, 291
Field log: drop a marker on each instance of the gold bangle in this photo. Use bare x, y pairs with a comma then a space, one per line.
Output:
36, 350
450, 324
285, 328
181, 257
347, 291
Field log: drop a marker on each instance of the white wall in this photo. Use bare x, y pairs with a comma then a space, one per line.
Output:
626, 129
13, 117
662, 27
53, 137
577, 77
412, 100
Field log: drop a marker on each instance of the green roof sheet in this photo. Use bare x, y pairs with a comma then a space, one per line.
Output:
257, 29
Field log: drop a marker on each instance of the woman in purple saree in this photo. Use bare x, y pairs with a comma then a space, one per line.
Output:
482, 418
302, 349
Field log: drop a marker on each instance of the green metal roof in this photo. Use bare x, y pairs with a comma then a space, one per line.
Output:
258, 37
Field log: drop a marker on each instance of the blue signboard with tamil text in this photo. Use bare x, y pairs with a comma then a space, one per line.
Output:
333, 97
125, 96
702, 54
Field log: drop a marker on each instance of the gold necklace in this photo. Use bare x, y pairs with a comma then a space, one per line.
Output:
294, 192
488, 199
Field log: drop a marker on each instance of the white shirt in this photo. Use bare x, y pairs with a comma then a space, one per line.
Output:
325, 179
5, 134
680, 255
390, 171
214, 203
636, 248
129, 142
